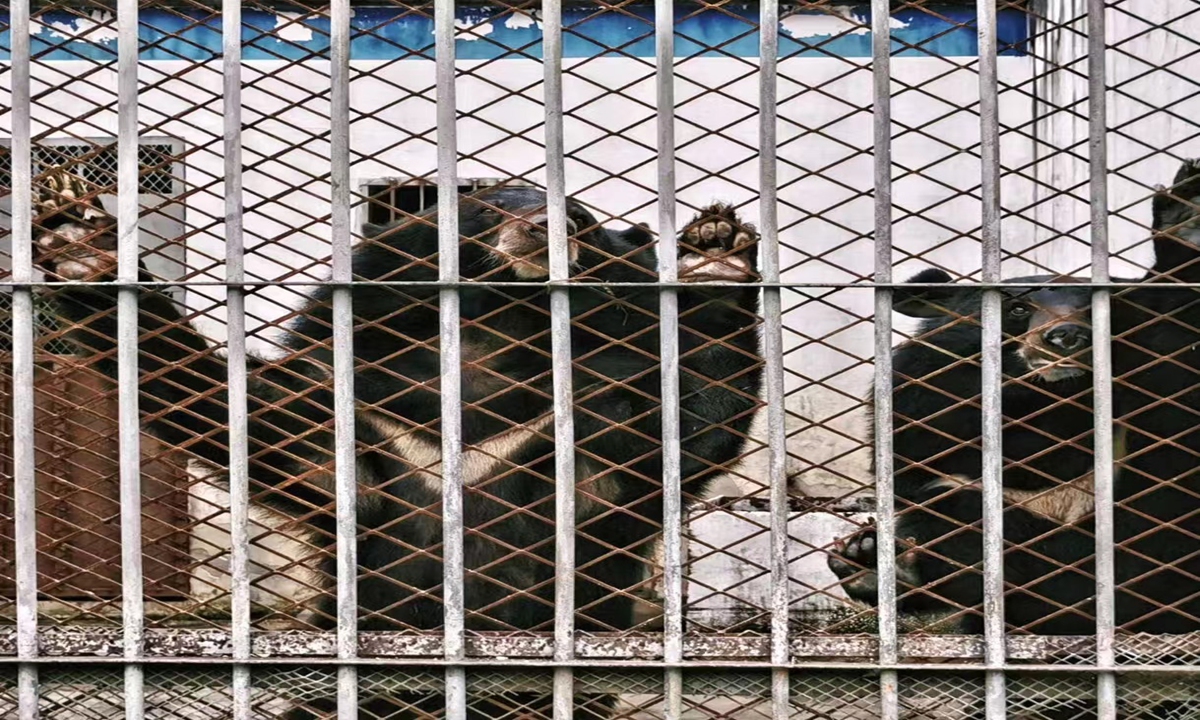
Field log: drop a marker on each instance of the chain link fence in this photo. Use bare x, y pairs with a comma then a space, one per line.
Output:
595, 359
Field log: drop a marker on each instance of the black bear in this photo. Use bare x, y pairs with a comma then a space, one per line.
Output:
508, 451
1047, 441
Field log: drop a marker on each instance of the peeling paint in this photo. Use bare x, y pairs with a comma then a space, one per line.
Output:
384, 33
519, 21
838, 20
287, 28
91, 29
477, 29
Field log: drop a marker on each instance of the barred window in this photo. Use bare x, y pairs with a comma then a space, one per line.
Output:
96, 162
161, 173
393, 199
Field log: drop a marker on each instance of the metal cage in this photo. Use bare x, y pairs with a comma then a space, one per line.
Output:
247, 152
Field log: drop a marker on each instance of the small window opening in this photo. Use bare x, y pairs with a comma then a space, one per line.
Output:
160, 174
396, 199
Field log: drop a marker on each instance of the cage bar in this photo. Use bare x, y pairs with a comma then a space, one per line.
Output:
239, 425
1112, 285
881, 51
668, 272
768, 230
561, 365
345, 456
128, 383
451, 383
24, 479
1102, 366
990, 367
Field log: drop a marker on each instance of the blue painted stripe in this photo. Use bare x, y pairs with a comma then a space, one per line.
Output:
390, 33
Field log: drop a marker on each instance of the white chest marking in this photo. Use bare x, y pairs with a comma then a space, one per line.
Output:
479, 462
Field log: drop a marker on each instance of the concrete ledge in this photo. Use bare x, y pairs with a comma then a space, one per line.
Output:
90, 643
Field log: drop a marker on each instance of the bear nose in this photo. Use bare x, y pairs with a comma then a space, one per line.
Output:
1067, 336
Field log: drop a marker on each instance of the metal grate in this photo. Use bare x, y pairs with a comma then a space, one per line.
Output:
198, 694
392, 391
97, 164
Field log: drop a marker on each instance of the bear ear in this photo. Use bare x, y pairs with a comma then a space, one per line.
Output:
637, 235
925, 303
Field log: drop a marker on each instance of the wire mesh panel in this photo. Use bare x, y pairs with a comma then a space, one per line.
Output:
202, 693
599, 359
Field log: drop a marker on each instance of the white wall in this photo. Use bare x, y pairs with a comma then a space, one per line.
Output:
826, 214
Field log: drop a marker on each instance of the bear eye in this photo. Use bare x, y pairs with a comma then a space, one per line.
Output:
1019, 310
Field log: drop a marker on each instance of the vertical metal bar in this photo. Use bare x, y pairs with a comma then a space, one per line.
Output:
24, 479
451, 366
132, 608
768, 54
881, 63
345, 481
560, 348
668, 272
1106, 684
239, 463
993, 491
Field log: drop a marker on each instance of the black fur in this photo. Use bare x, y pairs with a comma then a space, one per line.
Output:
1048, 426
509, 512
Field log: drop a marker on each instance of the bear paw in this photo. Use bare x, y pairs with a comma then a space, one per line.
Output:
854, 561
716, 246
73, 238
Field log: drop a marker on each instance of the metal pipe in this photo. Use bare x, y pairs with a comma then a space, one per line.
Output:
633, 284
1102, 369
239, 463
345, 457
990, 363
668, 272
129, 433
451, 381
768, 71
881, 53
23, 416
560, 348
